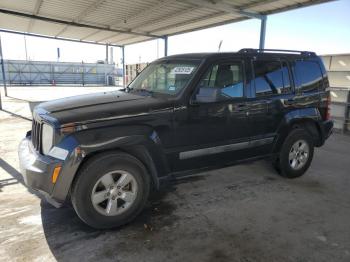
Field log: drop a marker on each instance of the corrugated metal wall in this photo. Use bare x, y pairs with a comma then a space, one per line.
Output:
338, 67
22, 72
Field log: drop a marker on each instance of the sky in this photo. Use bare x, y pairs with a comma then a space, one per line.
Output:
323, 28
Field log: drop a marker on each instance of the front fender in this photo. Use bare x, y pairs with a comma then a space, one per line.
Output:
140, 141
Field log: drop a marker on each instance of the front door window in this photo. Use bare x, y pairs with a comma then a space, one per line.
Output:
221, 82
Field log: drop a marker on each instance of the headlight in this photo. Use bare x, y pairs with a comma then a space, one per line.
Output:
47, 138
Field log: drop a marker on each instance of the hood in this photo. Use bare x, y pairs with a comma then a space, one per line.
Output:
81, 101
100, 107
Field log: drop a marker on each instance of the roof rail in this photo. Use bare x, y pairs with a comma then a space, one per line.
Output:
256, 51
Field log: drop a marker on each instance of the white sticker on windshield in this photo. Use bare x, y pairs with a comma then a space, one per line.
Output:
185, 70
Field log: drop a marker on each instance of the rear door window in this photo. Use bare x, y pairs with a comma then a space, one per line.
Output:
309, 76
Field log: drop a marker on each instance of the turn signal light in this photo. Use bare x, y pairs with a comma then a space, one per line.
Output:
55, 174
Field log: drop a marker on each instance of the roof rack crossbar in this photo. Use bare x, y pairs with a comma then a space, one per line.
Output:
252, 50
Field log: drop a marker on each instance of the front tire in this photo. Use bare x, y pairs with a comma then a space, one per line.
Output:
296, 154
110, 190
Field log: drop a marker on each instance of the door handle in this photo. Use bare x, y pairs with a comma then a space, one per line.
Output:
241, 107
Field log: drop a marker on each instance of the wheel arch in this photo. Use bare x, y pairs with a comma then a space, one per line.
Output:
146, 148
306, 119
139, 151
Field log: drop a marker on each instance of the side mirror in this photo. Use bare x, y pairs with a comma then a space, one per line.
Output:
207, 95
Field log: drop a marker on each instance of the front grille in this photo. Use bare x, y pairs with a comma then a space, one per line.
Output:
36, 135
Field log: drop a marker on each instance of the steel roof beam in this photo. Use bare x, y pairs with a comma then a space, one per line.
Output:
56, 38
144, 13
195, 20
222, 6
35, 12
159, 29
72, 23
83, 13
135, 24
152, 22
296, 5
167, 16
89, 35
93, 7
293, 5
259, 3
37, 6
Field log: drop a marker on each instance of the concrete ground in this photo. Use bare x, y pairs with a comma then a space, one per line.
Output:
21, 100
243, 213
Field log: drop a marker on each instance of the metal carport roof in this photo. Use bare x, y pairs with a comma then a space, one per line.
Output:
126, 22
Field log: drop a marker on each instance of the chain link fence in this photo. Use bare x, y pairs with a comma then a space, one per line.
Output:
22, 72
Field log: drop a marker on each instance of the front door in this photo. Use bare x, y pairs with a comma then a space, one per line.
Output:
214, 128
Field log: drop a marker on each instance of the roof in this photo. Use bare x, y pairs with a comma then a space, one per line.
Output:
242, 52
126, 22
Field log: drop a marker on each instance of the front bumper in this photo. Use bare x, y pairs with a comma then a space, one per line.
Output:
37, 170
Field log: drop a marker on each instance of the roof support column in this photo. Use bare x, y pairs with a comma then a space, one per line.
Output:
263, 20
166, 45
3, 73
107, 53
123, 63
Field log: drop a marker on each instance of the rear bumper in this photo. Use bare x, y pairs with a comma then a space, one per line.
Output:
326, 128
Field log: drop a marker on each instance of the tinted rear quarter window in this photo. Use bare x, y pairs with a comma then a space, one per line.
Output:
271, 78
309, 76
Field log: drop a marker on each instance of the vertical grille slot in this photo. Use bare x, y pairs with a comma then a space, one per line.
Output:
33, 133
36, 135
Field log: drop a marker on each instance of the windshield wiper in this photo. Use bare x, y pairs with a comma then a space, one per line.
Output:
138, 90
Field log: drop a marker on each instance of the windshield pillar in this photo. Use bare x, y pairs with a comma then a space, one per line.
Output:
123, 64
166, 45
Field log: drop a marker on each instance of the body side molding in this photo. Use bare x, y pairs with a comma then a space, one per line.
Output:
224, 148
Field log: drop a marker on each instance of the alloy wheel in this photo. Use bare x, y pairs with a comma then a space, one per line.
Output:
114, 193
299, 154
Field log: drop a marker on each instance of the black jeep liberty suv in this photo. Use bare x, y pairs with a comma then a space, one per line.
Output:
189, 112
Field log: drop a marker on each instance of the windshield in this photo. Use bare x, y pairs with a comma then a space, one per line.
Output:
166, 77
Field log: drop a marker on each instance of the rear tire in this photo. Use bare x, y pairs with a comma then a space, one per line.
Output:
296, 154
110, 190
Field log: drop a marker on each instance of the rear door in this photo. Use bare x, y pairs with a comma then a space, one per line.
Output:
271, 86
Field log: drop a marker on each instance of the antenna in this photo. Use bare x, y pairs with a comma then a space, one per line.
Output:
220, 45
